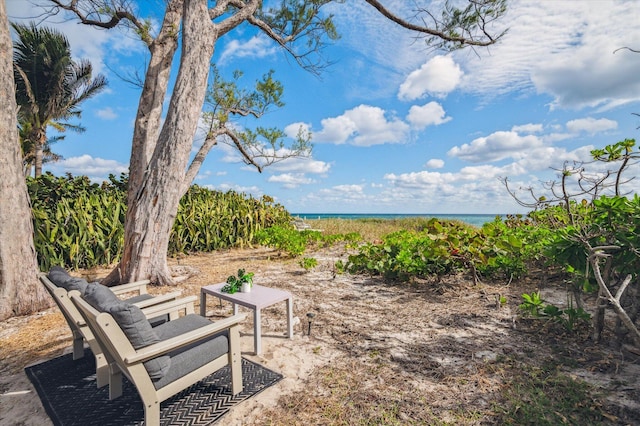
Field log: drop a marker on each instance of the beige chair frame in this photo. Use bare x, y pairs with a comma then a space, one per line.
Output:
169, 304
124, 359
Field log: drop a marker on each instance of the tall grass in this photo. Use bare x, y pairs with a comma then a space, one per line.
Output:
371, 229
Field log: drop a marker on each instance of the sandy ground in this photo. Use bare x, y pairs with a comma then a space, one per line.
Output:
426, 349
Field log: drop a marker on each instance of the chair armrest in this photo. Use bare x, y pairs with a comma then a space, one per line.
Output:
139, 286
80, 322
186, 303
202, 333
156, 300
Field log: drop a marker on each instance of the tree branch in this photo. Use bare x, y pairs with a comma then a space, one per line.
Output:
456, 21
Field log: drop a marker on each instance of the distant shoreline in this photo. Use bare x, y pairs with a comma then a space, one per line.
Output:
472, 219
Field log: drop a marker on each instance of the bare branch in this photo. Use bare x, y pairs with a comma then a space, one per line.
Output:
97, 14
626, 48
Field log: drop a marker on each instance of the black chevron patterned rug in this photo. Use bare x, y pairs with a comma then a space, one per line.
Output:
69, 394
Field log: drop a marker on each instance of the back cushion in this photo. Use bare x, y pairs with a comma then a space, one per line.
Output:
136, 327
100, 297
61, 278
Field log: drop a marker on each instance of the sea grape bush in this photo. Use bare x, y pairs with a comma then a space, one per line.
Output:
498, 249
286, 239
294, 243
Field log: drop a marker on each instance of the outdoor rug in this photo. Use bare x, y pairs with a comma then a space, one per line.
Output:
70, 396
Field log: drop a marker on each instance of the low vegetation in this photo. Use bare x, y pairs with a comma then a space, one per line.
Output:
79, 224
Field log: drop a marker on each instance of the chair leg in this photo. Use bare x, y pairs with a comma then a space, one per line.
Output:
115, 382
102, 371
235, 360
152, 414
78, 345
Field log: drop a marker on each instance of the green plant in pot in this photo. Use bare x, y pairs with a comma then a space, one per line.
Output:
242, 282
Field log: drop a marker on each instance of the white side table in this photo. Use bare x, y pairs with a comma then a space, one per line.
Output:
259, 297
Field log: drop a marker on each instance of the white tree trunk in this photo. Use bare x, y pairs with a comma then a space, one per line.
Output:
149, 115
20, 291
151, 215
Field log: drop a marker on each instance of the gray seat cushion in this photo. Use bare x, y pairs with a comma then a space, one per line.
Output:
102, 298
140, 333
155, 321
60, 277
192, 357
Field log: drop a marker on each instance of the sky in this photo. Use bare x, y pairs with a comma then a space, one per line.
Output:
397, 127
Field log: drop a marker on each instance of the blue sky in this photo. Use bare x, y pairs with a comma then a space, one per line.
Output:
398, 127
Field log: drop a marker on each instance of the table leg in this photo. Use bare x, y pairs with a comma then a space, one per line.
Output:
290, 318
257, 331
235, 309
203, 303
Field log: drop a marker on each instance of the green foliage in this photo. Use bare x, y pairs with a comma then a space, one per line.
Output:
79, 224
295, 243
569, 318
532, 304
209, 220
309, 263
607, 221
227, 100
234, 282
284, 239
50, 87
445, 247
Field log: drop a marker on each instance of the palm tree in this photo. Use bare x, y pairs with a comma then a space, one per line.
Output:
50, 86
29, 151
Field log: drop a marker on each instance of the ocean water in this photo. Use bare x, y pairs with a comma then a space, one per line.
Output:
472, 219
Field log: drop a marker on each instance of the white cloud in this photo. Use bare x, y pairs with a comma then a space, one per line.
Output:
294, 129
96, 168
107, 113
435, 163
290, 180
431, 114
591, 125
301, 165
363, 125
563, 49
437, 77
255, 47
86, 42
349, 189
528, 128
495, 147
336, 130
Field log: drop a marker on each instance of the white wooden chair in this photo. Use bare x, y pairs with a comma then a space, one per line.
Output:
80, 330
166, 359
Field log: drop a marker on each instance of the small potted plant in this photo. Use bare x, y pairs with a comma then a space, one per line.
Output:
242, 282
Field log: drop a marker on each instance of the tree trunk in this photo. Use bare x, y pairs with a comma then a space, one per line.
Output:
40, 138
148, 117
20, 291
151, 215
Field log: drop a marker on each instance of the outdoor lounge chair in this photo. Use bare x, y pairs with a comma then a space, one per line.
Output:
164, 360
59, 282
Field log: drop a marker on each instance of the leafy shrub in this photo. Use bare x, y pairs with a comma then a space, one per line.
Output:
309, 263
209, 220
445, 247
79, 224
